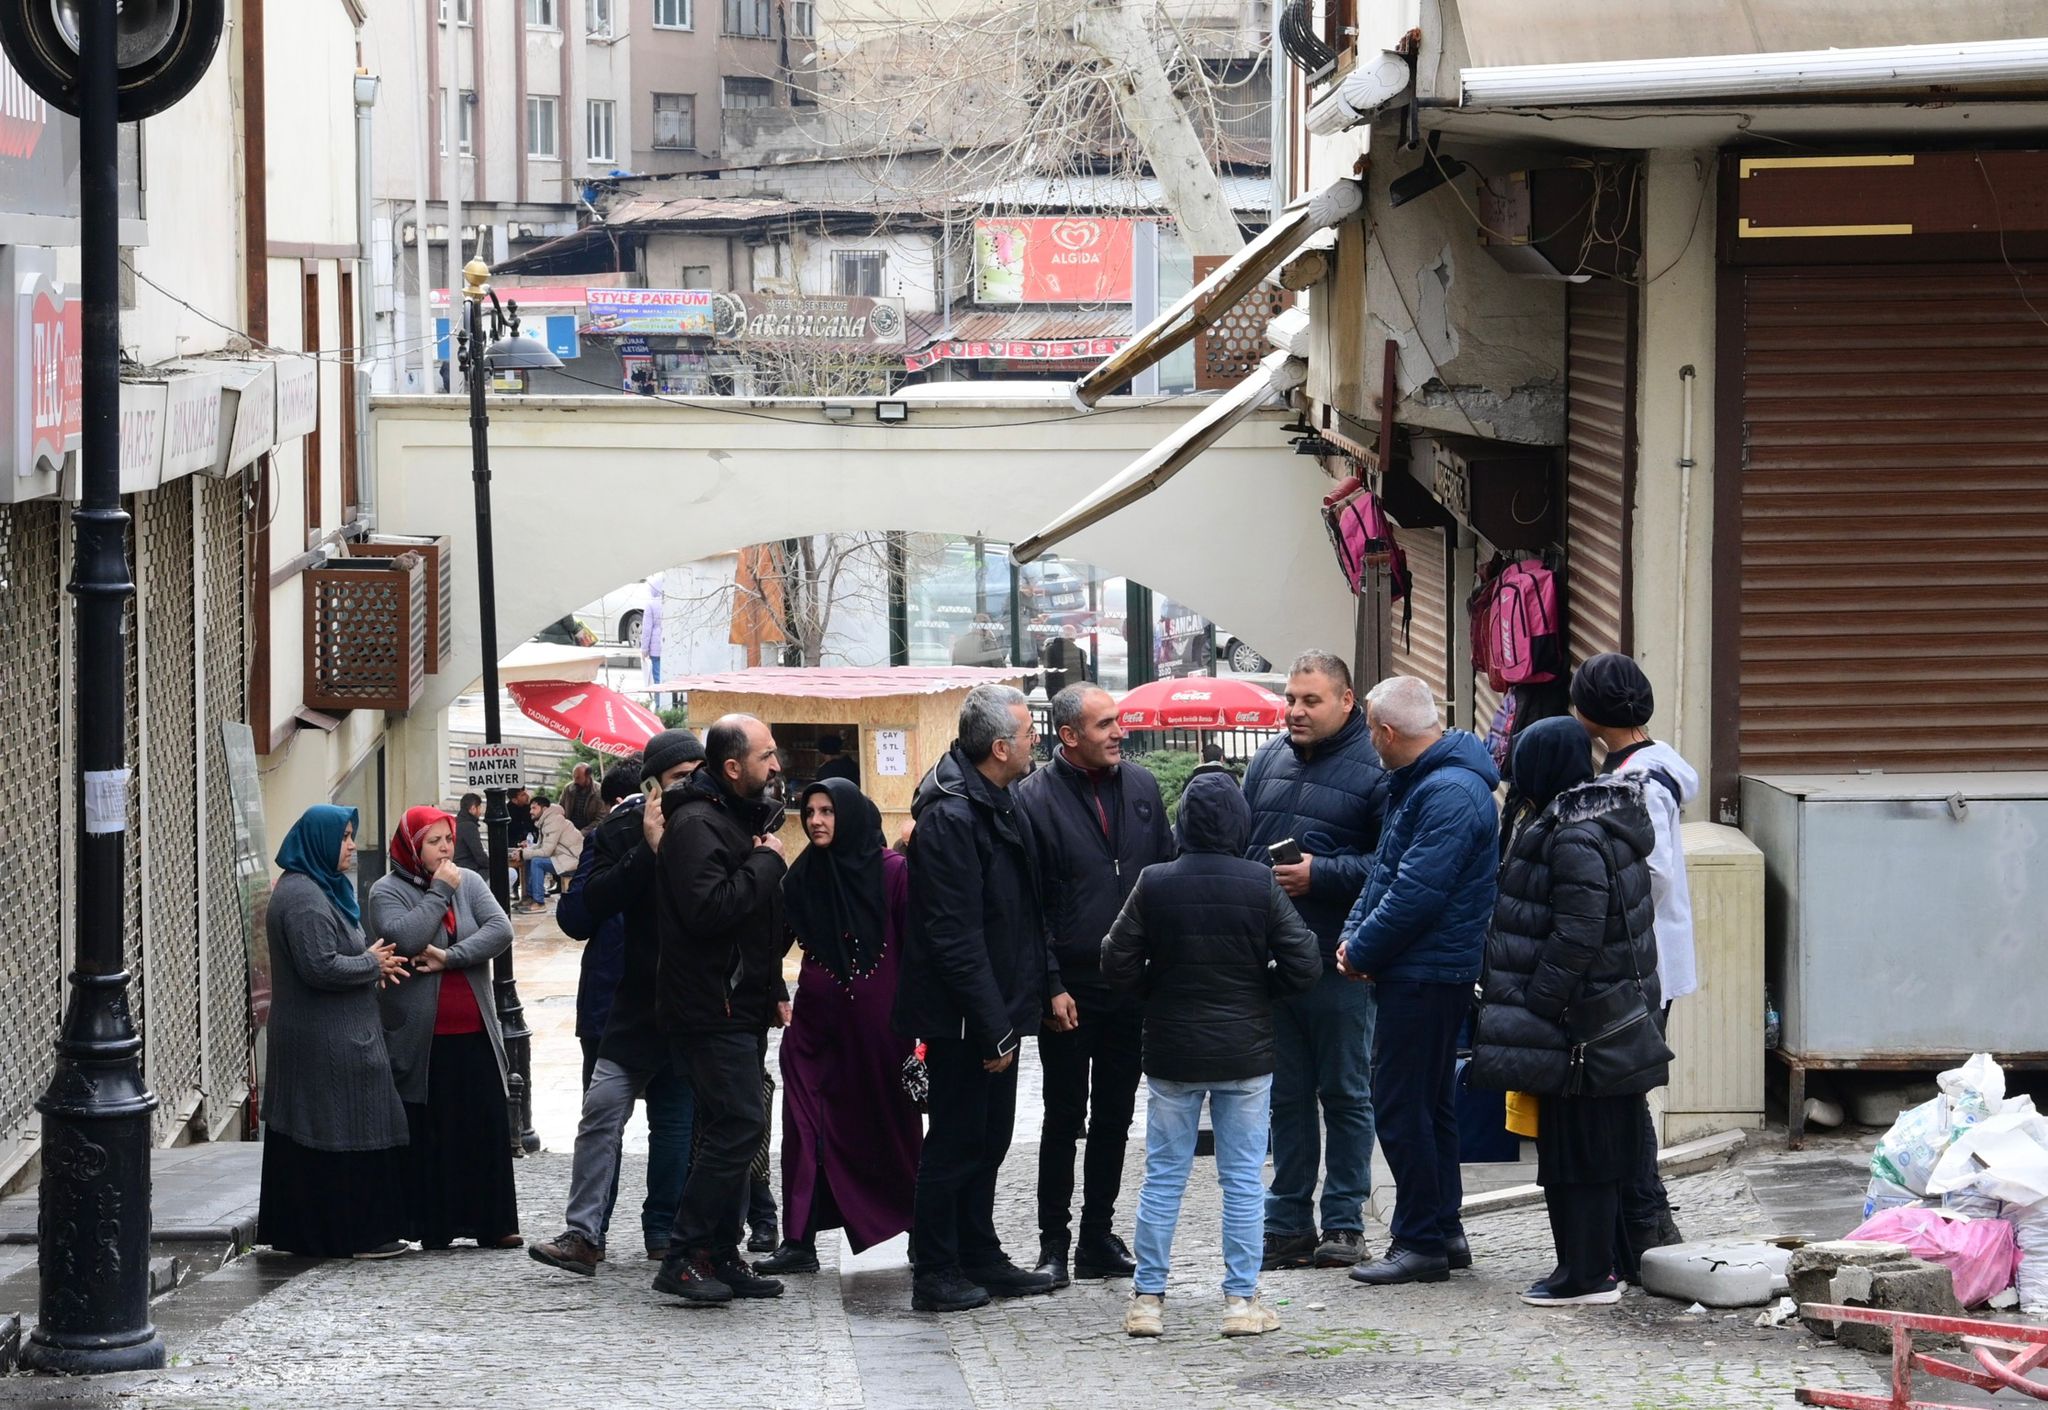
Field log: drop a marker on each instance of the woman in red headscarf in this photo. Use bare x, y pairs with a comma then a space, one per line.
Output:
447, 1054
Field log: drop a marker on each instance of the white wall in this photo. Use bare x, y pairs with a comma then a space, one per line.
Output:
193, 206
911, 273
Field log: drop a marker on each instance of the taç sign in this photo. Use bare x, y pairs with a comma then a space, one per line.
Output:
1052, 260
49, 382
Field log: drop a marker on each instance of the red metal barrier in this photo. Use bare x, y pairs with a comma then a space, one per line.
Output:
2006, 1355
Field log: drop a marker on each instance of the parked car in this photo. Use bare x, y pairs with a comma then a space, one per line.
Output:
617, 615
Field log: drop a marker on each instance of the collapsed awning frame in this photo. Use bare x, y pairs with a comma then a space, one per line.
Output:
1224, 289
1279, 374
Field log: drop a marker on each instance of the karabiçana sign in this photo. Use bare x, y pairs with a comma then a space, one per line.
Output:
1052, 260
818, 319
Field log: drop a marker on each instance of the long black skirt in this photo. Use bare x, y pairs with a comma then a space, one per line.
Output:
329, 1204
1589, 1140
458, 1167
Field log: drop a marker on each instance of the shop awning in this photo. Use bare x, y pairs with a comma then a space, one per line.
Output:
1061, 335
1222, 290
1278, 375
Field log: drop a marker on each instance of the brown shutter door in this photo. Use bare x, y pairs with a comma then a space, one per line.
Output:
1424, 648
1599, 486
1894, 588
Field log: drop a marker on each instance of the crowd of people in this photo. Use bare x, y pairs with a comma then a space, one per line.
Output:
1301, 954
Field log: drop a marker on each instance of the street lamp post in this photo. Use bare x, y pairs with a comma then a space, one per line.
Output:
509, 351
89, 58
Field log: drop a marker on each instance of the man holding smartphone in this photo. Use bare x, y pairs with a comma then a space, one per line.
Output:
1317, 797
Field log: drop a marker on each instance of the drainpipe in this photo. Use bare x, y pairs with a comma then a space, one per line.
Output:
366, 298
420, 249
1686, 377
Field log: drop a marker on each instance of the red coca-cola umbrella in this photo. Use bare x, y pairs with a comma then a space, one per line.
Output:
1201, 702
595, 714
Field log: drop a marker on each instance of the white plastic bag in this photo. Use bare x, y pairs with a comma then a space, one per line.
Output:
2030, 1229
1908, 1153
2003, 1158
1882, 1194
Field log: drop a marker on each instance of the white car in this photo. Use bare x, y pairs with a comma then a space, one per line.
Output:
617, 615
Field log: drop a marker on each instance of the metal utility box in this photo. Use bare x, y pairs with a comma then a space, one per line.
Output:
1717, 1032
1904, 913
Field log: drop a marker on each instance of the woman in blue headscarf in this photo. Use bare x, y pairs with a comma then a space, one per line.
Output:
334, 1129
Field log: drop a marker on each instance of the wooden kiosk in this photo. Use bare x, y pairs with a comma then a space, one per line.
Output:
895, 722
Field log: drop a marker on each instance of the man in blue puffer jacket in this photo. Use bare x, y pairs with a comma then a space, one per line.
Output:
1321, 787
1419, 933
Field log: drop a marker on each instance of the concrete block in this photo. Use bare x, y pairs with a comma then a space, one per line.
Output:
1852, 1274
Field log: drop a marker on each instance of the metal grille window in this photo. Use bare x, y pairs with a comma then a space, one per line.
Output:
747, 93
32, 762
541, 14
673, 14
603, 125
675, 121
750, 18
540, 127
858, 273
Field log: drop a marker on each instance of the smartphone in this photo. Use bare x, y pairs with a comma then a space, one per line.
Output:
652, 788
773, 823
1284, 853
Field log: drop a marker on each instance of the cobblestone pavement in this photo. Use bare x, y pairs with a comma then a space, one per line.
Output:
470, 1327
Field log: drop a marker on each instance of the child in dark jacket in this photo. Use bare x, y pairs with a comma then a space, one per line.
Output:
1211, 941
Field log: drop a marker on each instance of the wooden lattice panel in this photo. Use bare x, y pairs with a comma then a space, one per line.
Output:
366, 633
436, 552
1231, 348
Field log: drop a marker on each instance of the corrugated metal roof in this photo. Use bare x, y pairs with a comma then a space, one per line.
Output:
1021, 325
727, 210
1110, 191
846, 682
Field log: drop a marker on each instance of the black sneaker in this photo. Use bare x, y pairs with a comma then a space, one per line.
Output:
1340, 1248
1561, 1295
1288, 1251
1103, 1256
762, 1238
1052, 1262
691, 1278
790, 1258
732, 1270
946, 1292
1006, 1279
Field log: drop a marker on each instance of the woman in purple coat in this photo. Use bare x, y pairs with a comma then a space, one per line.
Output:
850, 1136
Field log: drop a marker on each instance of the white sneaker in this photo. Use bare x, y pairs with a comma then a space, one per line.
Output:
1146, 1315
1248, 1317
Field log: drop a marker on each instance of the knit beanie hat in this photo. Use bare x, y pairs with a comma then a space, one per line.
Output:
667, 749
1611, 690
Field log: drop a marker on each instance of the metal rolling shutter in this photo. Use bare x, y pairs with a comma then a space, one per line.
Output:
1599, 463
1894, 588
1425, 648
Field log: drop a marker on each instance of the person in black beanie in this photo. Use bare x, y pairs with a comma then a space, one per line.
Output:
615, 886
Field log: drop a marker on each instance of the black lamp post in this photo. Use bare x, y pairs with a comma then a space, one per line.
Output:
509, 352
108, 64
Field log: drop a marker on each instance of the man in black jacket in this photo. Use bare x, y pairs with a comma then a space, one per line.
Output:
977, 975
616, 884
470, 849
1321, 787
719, 989
1213, 943
1098, 822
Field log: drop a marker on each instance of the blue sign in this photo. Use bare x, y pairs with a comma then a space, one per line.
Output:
561, 336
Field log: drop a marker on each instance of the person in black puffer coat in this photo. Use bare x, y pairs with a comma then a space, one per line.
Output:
1574, 913
1211, 941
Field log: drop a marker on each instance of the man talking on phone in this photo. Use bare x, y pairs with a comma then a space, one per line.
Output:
1317, 796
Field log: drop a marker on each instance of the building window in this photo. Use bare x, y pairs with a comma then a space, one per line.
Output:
540, 14
675, 120
603, 134
461, 11
540, 127
597, 18
672, 14
465, 121
858, 273
747, 93
696, 276
750, 18
803, 18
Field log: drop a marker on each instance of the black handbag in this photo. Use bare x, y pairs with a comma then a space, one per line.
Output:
1617, 1048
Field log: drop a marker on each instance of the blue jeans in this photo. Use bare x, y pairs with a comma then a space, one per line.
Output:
538, 870
1322, 1044
1239, 1112
1414, 1087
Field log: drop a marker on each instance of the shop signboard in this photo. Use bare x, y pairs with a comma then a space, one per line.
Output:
1015, 350
674, 313
298, 397
816, 320
1053, 260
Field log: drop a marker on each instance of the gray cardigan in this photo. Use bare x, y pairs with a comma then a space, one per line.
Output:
412, 919
328, 1083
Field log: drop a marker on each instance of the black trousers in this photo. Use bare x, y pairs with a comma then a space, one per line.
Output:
724, 1071
971, 1114
1582, 1229
1415, 1102
1091, 1085
1644, 1202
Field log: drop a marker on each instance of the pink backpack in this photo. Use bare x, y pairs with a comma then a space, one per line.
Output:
1517, 630
1363, 536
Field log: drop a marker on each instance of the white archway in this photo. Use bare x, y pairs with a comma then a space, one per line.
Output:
1236, 536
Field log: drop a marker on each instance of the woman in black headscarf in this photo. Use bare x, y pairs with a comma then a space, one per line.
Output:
1574, 915
850, 1136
